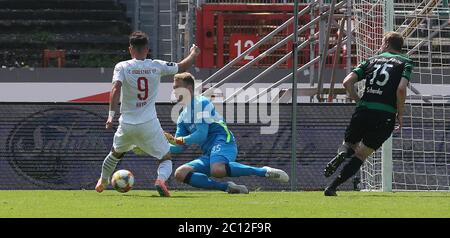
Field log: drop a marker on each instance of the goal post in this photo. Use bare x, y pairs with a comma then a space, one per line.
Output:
386, 165
417, 157
386, 149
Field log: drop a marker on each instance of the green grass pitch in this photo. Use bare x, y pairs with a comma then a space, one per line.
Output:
182, 204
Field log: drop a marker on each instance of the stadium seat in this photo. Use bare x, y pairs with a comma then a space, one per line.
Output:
92, 33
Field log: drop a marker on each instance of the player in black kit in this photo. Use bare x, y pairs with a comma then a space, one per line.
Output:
387, 76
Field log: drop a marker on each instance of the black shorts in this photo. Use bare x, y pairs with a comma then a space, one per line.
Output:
371, 127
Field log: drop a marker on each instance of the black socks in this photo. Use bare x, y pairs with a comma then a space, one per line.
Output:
350, 169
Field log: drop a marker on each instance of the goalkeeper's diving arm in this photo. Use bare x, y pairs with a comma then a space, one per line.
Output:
198, 137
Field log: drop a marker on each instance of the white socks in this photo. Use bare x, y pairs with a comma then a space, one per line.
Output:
110, 163
165, 170
108, 166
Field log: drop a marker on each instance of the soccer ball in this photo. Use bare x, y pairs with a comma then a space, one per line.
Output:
122, 181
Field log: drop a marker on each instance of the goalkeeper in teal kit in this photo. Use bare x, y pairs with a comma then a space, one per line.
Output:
200, 124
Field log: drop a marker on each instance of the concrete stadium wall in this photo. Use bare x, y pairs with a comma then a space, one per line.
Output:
105, 74
19, 75
94, 84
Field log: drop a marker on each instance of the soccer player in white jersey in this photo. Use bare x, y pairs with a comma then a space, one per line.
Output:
135, 85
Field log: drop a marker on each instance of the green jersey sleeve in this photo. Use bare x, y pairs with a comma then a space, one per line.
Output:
407, 71
360, 70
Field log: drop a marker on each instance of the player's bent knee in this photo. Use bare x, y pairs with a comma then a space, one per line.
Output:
166, 157
181, 172
116, 154
218, 171
362, 156
363, 152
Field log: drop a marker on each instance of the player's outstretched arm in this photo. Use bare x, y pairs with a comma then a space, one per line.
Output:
175, 147
349, 85
401, 97
198, 137
114, 98
187, 62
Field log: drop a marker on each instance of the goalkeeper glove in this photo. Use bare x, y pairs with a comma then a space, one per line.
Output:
174, 141
179, 140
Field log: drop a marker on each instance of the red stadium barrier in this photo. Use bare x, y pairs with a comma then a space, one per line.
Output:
225, 30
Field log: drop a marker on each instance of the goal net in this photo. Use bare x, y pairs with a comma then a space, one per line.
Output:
418, 156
